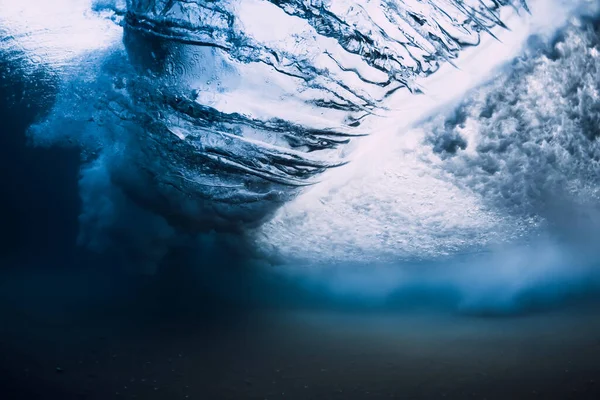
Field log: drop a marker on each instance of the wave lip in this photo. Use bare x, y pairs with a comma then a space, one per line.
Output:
385, 44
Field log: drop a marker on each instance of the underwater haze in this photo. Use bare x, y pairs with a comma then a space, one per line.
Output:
258, 199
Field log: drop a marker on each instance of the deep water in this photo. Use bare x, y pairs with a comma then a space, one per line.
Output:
39, 199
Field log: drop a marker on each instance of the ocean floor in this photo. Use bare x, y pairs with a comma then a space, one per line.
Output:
81, 334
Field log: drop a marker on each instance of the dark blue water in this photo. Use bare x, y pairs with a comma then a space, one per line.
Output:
39, 202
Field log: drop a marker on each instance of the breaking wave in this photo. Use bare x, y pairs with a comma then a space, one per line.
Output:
227, 108
321, 131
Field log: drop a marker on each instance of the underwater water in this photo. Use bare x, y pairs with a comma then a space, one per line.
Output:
299, 199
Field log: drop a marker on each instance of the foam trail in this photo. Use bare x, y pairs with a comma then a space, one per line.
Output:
425, 188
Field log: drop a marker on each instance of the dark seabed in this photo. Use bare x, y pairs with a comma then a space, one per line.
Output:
82, 335
74, 327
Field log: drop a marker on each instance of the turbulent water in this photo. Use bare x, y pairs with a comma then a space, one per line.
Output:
338, 131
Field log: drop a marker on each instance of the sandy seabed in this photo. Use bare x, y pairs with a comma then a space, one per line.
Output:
81, 335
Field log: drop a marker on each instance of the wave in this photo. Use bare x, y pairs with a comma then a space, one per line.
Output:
192, 116
239, 113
